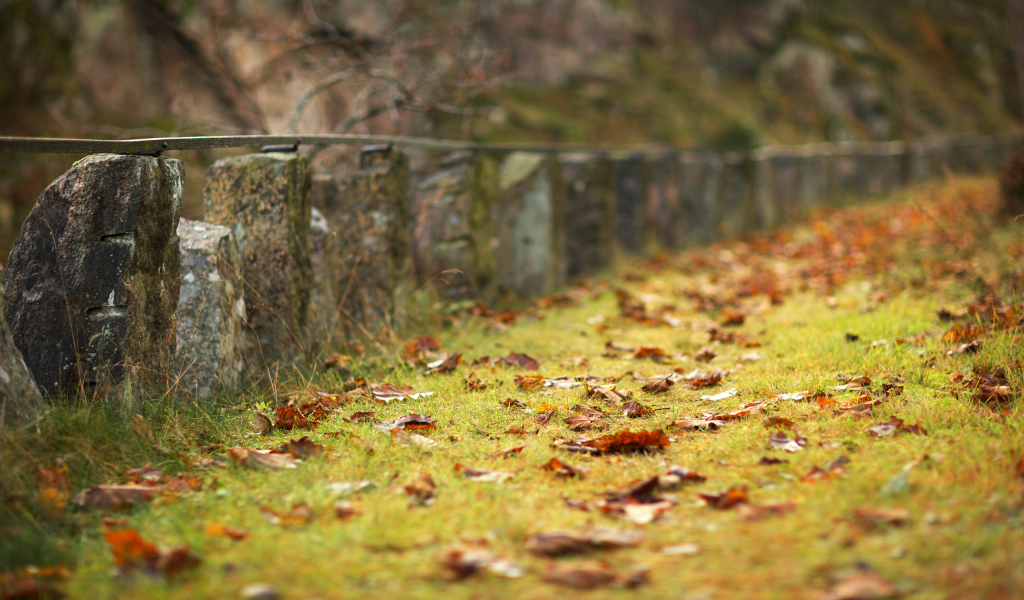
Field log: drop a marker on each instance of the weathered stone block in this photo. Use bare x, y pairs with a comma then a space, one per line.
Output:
213, 338
92, 281
367, 257
19, 396
528, 225
323, 325
631, 204
700, 183
664, 210
734, 213
589, 184
265, 200
453, 228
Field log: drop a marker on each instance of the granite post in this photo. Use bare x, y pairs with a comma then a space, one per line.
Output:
733, 215
265, 200
19, 396
589, 184
664, 210
700, 182
368, 258
630, 204
529, 241
453, 229
212, 334
92, 282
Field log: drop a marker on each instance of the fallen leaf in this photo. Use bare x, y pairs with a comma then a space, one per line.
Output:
418, 348
218, 530
582, 576
510, 452
710, 380
781, 441
344, 509
756, 512
359, 417
694, 423
677, 476
408, 423
517, 359
652, 352
303, 447
475, 385
835, 468
461, 562
582, 423
634, 409
765, 460
564, 543
131, 551
730, 498
561, 469
262, 460
350, 487
299, 514
876, 517
483, 475
729, 393
705, 355
780, 422
261, 423
894, 425
658, 386
862, 585
387, 392
516, 431
608, 394
445, 365
400, 437
639, 513
111, 497
629, 441
421, 490
545, 416
959, 334
513, 403
529, 382
289, 417
54, 488
681, 550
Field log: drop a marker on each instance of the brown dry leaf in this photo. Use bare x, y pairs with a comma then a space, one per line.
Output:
475, 385
710, 380
259, 460
581, 575
608, 394
894, 425
261, 423
387, 392
677, 476
582, 422
637, 512
564, 543
446, 365
483, 475
299, 514
747, 410
417, 349
561, 469
781, 441
658, 386
544, 417
652, 352
516, 431
302, 448
408, 423
756, 512
634, 409
767, 461
529, 382
862, 585
629, 441
131, 551
960, 334
181, 484
289, 417
145, 473
421, 490
111, 497
359, 417
510, 452
461, 562
705, 355
344, 509
517, 359
731, 318
402, 438
835, 468
730, 498
780, 422
694, 423
513, 403
218, 530
876, 517
54, 488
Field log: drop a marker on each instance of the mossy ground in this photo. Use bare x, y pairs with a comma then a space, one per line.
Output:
880, 271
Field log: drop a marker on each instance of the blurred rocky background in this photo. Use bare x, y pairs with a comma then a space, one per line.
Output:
726, 74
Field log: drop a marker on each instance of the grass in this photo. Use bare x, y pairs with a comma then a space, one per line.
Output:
880, 271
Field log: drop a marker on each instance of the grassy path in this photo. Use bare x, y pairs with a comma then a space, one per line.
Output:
861, 316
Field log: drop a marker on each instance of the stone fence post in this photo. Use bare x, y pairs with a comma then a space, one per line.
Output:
453, 228
19, 396
92, 282
529, 225
212, 336
630, 203
734, 209
590, 207
664, 218
368, 258
700, 183
265, 200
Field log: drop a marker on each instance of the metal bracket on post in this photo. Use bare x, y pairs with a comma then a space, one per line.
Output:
293, 148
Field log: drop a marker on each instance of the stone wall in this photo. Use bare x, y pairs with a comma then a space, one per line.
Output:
588, 182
